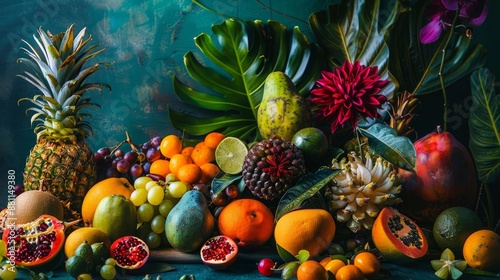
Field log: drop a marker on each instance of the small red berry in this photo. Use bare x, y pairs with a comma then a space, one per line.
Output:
266, 267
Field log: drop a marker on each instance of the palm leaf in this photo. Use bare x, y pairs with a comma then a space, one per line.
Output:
484, 125
416, 66
239, 62
352, 31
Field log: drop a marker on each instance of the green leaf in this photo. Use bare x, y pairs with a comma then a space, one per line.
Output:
305, 188
232, 80
222, 180
353, 31
384, 141
484, 125
416, 66
284, 254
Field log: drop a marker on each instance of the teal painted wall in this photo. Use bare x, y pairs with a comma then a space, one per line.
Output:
146, 41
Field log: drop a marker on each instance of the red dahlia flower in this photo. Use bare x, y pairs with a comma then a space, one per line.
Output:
347, 93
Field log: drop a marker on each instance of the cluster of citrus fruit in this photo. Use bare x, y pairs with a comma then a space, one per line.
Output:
190, 164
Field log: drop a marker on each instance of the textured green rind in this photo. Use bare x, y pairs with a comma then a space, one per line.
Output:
282, 111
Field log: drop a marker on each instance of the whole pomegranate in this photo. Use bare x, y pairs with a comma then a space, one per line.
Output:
445, 177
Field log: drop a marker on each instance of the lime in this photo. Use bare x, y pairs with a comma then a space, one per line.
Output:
311, 141
453, 226
230, 155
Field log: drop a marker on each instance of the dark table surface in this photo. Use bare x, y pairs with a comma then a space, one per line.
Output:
246, 268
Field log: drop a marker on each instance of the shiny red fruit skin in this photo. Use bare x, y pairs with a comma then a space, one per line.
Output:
445, 177
266, 266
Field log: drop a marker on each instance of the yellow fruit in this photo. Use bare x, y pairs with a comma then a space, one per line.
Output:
334, 265
309, 229
481, 250
78, 236
100, 190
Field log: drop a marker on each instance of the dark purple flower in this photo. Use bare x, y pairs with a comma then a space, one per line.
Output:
442, 12
347, 93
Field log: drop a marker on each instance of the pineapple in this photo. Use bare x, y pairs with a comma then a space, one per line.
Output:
61, 162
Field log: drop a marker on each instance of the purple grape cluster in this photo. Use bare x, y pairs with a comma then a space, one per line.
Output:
128, 164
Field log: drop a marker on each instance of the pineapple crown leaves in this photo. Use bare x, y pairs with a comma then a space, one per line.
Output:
56, 69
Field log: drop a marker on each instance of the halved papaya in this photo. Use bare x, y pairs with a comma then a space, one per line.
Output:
398, 238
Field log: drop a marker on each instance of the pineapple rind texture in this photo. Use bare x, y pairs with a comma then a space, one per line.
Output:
65, 170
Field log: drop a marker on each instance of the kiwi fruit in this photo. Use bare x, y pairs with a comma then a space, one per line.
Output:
30, 205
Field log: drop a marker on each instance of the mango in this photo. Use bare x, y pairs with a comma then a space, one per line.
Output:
282, 111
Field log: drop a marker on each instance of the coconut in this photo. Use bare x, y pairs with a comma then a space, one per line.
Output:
31, 204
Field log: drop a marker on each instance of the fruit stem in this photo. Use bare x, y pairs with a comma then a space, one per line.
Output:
441, 66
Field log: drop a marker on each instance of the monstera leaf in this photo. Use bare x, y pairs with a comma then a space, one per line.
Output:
244, 54
416, 66
484, 125
352, 31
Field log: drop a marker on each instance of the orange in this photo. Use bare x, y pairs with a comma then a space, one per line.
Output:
326, 260
177, 161
334, 265
349, 272
208, 172
309, 229
170, 145
187, 151
160, 167
200, 144
481, 250
80, 235
189, 173
213, 139
367, 262
311, 270
202, 154
100, 190
247, 221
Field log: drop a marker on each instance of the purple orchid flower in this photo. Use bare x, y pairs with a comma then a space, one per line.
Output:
442, 12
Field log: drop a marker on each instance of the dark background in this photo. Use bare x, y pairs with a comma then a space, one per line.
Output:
146, 40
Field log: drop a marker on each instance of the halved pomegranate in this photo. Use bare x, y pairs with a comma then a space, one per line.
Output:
37, 242
129, 252
219, 252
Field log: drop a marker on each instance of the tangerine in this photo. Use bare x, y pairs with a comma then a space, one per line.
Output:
481, 250
247, 221
311, 270
213, 139
202, 155
189, 173
208, 172
160, 167
178, 160
367, 262
334, 265
170, 145
349, 272
100, 190
187, 150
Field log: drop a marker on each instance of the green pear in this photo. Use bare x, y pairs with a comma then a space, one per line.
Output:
190, 223
282, 111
